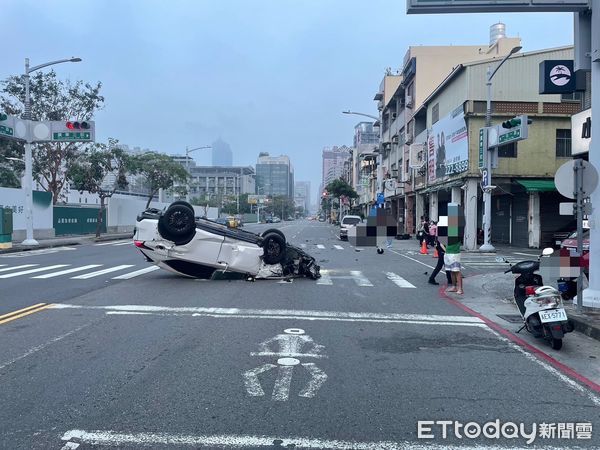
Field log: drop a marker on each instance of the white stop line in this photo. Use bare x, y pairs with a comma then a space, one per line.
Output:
117, 439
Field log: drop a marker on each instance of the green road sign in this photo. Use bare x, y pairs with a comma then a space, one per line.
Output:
6, 131
74, 136
513, 135
482, 146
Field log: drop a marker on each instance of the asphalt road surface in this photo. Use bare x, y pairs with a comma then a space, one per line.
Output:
118, 355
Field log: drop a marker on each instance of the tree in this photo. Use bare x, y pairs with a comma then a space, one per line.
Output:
160, 172
340, 188
90, 172
281, 205
10, 170
52, 99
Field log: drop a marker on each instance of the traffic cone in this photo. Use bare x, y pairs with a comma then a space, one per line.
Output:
423, 248
435, 253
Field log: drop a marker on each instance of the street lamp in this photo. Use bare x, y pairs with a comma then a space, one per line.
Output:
29, 240
487, 192
258, 201
187, 167
361, 114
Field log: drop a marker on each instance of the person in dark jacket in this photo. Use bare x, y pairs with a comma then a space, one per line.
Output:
441, 249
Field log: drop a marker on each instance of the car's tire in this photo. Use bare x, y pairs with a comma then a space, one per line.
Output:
276, 231
182, 202
177, 224
274, 248
380, 251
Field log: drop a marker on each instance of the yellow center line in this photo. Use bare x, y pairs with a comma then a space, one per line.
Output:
24, 312
21, 310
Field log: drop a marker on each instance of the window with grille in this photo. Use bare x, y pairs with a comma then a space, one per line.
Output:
563, 143
435, 113
508, 150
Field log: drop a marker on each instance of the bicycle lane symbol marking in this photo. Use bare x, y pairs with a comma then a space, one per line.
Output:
293, 346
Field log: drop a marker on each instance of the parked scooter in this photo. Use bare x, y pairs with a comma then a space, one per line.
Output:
540, 306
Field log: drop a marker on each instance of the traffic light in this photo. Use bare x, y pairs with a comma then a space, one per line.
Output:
516, 122
78, 125
3, 117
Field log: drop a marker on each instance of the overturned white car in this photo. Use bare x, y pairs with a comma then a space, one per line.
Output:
176, 241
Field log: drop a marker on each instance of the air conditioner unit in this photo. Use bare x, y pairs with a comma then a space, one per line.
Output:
395, 139
409, 101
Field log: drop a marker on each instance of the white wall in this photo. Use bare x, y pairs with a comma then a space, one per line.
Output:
123, 210
42, 214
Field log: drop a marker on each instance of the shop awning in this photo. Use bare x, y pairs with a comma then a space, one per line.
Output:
538, 185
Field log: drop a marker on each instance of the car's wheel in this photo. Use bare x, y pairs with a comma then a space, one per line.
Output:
182, 202
274, 248
177, 224
276, 231
380, 251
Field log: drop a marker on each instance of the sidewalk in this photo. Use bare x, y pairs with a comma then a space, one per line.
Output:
64, 241
491, 295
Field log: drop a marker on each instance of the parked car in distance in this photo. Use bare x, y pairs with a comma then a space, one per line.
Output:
347, 223
571, 240
276, 219
233, 222
222, 221
571, 244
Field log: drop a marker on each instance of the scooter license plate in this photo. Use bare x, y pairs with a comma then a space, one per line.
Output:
553, 315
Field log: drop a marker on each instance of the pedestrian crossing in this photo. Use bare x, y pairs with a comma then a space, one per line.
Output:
483, 261
329, 277
45, 272
310, 247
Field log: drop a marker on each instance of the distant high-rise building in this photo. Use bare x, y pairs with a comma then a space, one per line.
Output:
221, 154
364, 134
302, 195
274, 175
333, 162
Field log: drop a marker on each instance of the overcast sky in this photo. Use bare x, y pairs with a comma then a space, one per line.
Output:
264, 75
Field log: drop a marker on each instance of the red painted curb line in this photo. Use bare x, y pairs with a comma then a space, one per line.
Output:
522, 343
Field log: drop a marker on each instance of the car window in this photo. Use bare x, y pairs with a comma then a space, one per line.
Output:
350, 220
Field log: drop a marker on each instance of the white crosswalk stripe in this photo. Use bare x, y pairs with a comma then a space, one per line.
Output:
27, 272
303, 245
6, 269
114, 243
338, 247
321, 246
398, 280
101, 272
67, 271
327, 277
129, 275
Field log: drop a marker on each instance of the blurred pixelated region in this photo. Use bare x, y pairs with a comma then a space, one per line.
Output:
376, 232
